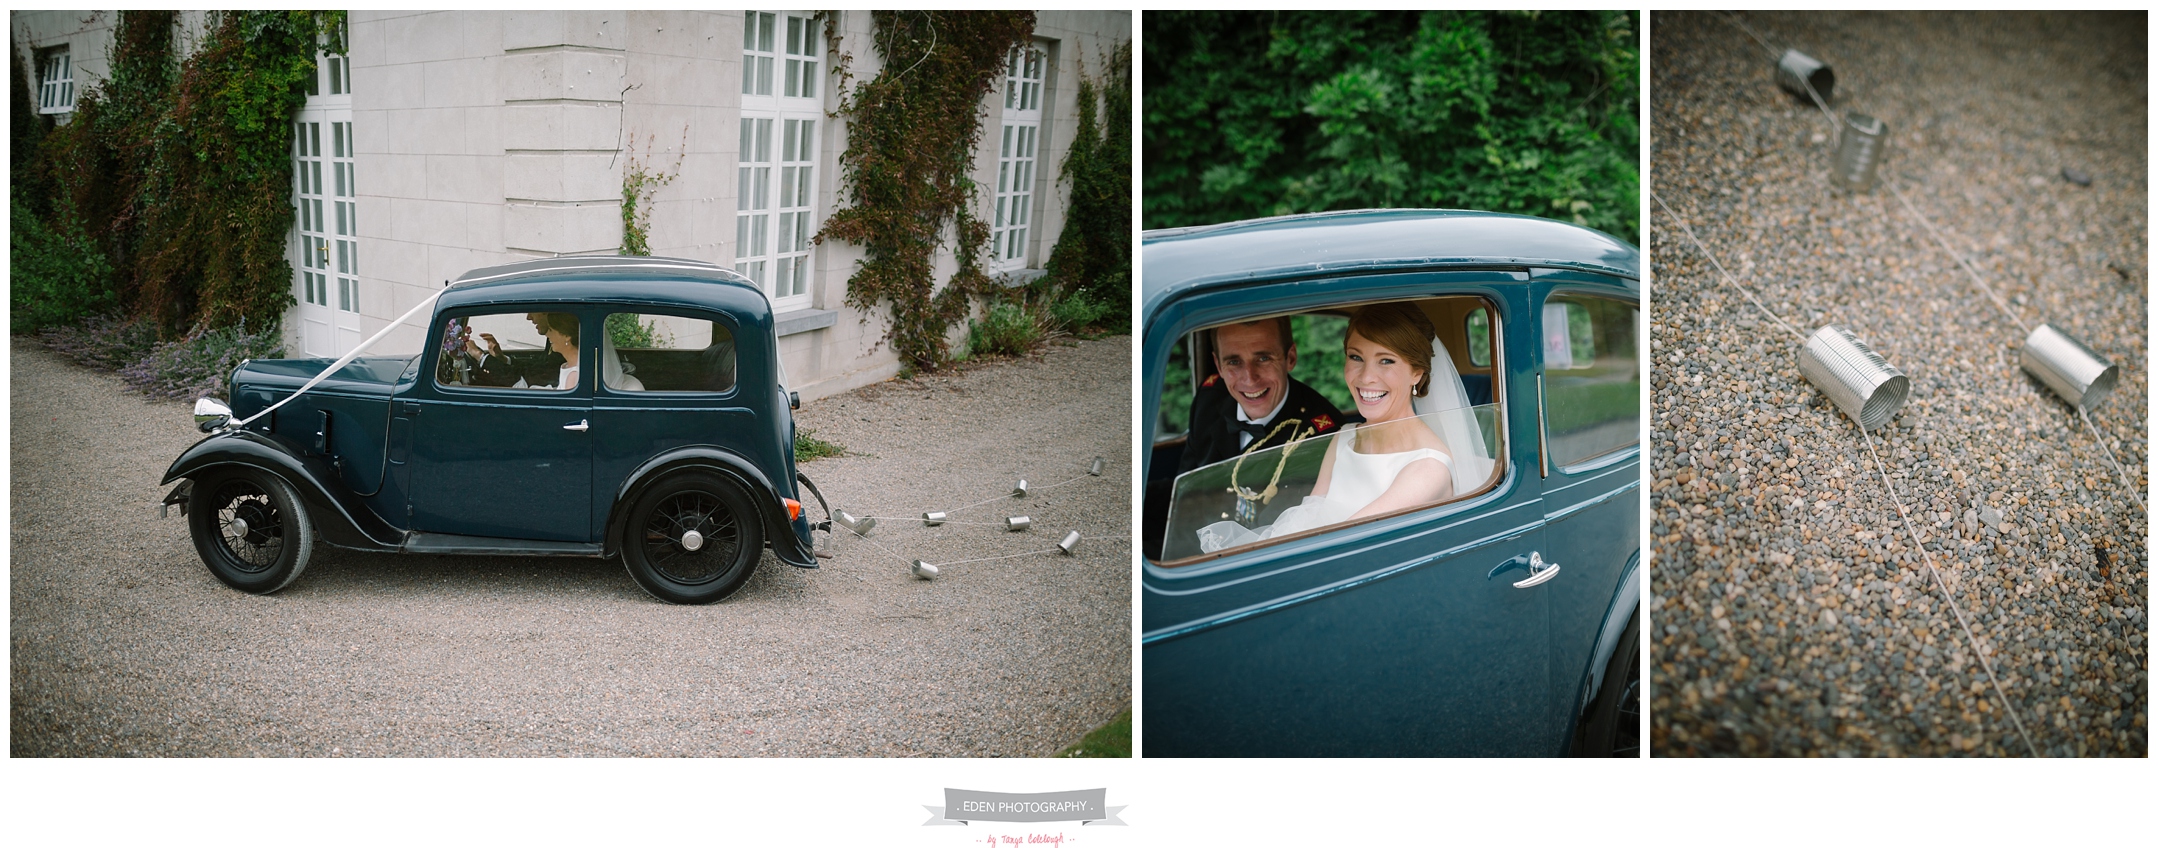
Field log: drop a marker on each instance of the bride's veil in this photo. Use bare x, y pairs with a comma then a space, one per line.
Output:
1445, 407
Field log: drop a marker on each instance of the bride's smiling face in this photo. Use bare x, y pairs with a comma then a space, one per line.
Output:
1380, 380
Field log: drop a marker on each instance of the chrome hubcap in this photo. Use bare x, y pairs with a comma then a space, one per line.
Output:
692, 540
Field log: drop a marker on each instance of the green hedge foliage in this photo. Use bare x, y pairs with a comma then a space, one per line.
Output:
1251, 114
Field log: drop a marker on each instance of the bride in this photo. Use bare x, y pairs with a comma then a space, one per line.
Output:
1408, 392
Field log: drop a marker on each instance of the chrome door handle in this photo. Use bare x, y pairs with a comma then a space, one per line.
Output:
1539, 571
580, 426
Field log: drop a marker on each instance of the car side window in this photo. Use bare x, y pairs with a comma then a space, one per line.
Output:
511, 350
666, 353
1592, 378
1355, 430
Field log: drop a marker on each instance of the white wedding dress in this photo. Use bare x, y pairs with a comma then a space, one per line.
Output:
1360, 478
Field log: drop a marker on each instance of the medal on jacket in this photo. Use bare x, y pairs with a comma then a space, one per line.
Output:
1248, 502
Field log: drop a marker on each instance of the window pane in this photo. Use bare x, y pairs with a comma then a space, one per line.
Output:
1592, 383
514, 350
667, 353
764, 35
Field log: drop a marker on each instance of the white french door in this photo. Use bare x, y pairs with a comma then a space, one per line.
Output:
327, 260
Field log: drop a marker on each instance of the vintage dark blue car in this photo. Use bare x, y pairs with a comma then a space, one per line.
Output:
1497, 618
589, 407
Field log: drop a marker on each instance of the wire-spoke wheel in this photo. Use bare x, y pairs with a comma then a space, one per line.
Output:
693, 538
250, 529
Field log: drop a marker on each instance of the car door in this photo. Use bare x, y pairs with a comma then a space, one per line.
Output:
497, 457
1591, 375
1403, 635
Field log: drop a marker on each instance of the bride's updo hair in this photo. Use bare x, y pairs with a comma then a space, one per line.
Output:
1401, 328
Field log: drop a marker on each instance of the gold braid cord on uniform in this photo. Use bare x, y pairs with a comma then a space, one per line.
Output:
1272, 486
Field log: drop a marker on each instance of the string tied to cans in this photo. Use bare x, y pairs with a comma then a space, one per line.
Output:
1869, 390
862, 525
2071, 369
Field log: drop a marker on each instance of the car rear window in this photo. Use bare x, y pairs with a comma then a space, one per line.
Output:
1592, 377
666, 353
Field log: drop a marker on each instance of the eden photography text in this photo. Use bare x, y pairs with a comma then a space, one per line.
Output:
1023, 807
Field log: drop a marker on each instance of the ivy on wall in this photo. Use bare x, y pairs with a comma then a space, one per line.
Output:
912, 132
640, 183
1092, 258
181, 171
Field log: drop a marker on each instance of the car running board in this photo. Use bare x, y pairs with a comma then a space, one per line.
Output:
448, 543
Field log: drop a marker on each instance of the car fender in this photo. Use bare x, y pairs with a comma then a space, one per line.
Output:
1624, 602
779, 530
339, 518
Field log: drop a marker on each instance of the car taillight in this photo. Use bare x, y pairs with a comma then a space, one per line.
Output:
794, 508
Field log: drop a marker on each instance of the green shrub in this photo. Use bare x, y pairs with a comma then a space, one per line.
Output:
57, 276
1079, 311
807, 446
197, 365
1262, 113
1007, 329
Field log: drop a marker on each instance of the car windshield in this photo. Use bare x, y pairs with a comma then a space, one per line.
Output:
1267, 495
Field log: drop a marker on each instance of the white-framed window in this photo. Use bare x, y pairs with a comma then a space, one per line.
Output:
776, 180
327, 223
56, 82
1018, 152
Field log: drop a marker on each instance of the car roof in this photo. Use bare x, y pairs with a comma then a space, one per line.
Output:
1372, 240
627, 279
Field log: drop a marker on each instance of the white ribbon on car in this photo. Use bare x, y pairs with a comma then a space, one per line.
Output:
344, 360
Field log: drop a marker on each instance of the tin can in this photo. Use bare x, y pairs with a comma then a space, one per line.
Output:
1017, 523
1859, 152
2075, 372
932, 519
1071, 540
1795, 70
1860, 382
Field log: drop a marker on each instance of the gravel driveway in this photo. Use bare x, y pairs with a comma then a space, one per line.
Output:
1791, 617
123, 644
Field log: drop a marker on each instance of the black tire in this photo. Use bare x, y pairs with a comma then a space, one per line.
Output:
251, 529
1612, 727
730, 538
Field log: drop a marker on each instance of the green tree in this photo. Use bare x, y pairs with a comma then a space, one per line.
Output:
1250, 114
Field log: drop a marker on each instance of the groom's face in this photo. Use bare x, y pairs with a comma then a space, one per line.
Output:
1255, 364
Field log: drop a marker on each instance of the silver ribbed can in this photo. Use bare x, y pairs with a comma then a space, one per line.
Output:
2077, 373
1797, 69
932, 519
1017, 523
923, 570
1096, 468
1859, 152
1071, 541
860, 524
1861, 383
1021, 489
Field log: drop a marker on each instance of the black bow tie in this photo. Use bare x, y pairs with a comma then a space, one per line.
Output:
1257, 431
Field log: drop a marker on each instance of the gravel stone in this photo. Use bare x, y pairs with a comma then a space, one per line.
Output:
1849, 648
124, 645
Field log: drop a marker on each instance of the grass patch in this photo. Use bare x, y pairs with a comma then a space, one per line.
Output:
1109, 740
808, 447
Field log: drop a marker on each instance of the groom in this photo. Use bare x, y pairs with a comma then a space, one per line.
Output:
1253, 404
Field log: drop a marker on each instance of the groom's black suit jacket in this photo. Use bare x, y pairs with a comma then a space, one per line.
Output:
1213, 423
